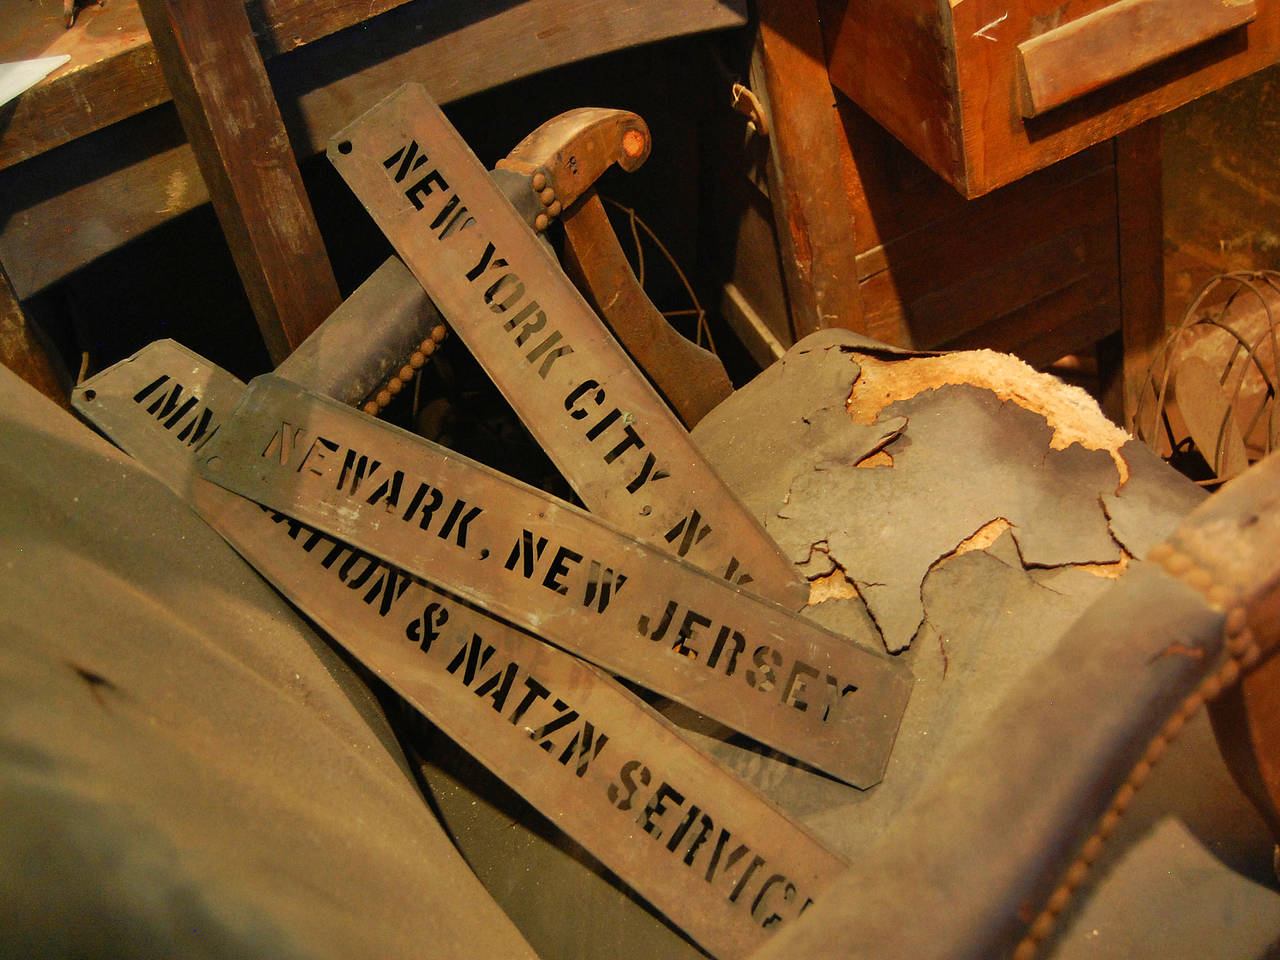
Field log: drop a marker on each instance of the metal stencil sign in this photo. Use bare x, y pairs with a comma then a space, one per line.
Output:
717, 859
558, 571
590, 408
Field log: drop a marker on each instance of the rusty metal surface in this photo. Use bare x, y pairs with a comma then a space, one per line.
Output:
692, 379
606, 429
723, 864
555, 570
560, 162
569, 152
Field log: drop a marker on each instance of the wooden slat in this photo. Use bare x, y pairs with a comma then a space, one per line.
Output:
813, 215
959, 278
1140, 205
114, 72
220, 86
94, 194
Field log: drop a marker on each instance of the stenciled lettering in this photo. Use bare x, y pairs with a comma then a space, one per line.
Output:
690, 835
186, 416
685, 634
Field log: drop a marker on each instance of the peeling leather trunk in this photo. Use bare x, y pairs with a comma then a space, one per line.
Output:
971, 553
984, 615
957, 459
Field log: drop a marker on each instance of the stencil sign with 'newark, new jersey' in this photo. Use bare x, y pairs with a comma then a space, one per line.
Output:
560, 572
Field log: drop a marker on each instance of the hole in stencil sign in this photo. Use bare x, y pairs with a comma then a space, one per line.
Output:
91, 395
344, 147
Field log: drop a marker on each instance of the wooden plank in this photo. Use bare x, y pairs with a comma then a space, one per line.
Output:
599, 764
601, 423
959, 277
1056, 323
230, 116
901, 204
284, 25
1140, 205
813, 216
750, 327
114, 73
96, 193
1075, 59
912, 98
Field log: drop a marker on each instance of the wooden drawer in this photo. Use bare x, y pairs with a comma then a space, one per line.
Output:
986, 91
1033, 268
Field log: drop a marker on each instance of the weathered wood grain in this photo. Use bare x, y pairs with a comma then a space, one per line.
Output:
114, 72
103, 189
22, 352
944, 80
1086, 54
224, 99
815, 221
1140, 209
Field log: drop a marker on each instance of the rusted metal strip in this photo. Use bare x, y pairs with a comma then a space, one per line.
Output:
691, 378
554, 569
718, 860
599, 420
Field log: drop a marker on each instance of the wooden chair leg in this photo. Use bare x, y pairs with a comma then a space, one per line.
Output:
1140, 208
806, 182
220, 88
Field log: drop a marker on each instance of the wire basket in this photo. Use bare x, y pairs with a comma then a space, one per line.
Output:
1208, 404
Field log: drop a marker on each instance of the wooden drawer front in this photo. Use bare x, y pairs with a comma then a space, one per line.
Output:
985, 91
1031, 269
1117, 41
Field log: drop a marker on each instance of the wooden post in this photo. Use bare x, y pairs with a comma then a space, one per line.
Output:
1140, 211
220, 88
806, 184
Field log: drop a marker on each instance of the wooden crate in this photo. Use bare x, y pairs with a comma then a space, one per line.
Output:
986, 91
